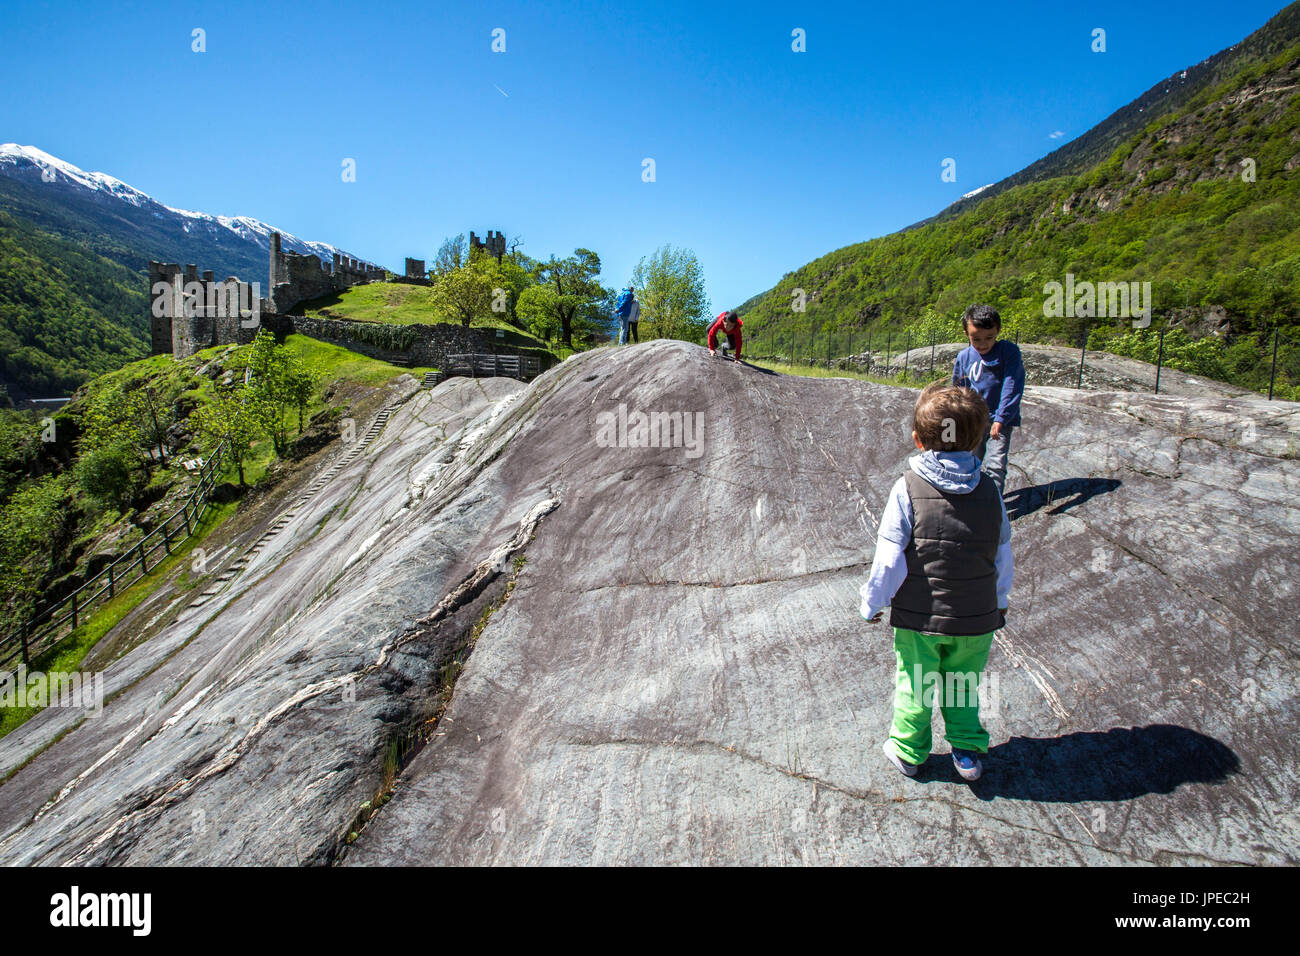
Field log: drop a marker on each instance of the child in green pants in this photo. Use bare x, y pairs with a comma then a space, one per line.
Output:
943, 566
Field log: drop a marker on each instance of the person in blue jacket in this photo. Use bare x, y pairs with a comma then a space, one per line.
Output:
623, 309
994, 368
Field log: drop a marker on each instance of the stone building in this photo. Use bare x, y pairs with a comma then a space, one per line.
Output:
189, 311
495, 244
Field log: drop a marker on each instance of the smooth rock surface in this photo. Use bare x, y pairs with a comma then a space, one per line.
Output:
681, 674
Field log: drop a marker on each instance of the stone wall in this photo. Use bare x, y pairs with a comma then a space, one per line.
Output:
431, 346
213, 309
494, 245
295, 278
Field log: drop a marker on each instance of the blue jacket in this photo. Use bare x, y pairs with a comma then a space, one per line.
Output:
624, 305
999, 377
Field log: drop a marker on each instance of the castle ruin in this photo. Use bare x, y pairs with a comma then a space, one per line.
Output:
416, 273
189, 312
495, 244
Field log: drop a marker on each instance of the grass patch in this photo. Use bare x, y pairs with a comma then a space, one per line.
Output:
395, 303
335, 362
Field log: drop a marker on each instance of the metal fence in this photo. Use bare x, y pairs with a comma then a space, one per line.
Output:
1267, 363
53, 623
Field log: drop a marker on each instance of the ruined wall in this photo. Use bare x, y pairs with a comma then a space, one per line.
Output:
296, 278
197, 310
494, 245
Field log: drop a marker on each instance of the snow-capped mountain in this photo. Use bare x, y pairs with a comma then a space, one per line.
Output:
229, 245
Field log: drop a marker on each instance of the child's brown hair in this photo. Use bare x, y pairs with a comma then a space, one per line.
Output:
950, 418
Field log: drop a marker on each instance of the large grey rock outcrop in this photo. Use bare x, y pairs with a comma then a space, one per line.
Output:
680, 673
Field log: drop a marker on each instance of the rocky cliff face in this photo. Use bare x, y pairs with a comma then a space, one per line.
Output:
668, 664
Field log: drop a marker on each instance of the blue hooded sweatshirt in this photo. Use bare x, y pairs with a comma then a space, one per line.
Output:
999, 377
623, 307
956, 472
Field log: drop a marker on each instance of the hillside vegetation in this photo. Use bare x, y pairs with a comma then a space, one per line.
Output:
87, 483
66, 313
1172, 205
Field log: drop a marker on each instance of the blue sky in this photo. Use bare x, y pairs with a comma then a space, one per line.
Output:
764, 158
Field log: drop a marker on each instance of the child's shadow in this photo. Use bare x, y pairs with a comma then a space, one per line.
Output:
1065, 493
1119, 764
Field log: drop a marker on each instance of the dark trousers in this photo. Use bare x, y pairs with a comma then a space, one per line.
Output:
631, 327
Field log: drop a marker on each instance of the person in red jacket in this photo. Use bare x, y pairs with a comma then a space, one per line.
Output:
729, 323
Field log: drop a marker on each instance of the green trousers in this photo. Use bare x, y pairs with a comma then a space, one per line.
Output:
938, 669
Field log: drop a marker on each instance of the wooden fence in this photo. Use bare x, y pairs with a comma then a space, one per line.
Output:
484, 365
55, 622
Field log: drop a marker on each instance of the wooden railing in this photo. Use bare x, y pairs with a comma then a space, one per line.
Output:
51, 624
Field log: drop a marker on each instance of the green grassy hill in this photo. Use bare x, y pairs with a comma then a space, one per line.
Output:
397, 303
1167, 205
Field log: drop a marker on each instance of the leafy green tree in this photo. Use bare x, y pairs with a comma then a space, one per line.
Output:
670, 287
300, 385
452, 255
280, 382
20, 443
111, 474
517, 272
33, 522
538, 307
573, 294
237, 416
467, 293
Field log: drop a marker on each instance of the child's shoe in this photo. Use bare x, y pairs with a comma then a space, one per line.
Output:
907, 769
967, 764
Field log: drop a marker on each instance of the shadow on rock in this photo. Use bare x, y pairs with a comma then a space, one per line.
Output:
1065, 493
1120, 764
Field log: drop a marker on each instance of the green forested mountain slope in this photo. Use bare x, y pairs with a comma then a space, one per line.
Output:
66, 314
1169, 205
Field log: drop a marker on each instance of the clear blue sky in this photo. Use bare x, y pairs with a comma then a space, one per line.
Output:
765, 158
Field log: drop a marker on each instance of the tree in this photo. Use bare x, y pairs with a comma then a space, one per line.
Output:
34, 524
119, 424
300, 386
574, 294
451, 256
116, 416
517, 272
235, 416
281, 382
538, 306
467, 293
110, 474
670, 288
269, 384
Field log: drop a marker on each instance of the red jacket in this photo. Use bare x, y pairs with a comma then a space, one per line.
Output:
733, 336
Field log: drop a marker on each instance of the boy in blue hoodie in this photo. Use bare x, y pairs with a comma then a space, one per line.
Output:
994, 368
943, 566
